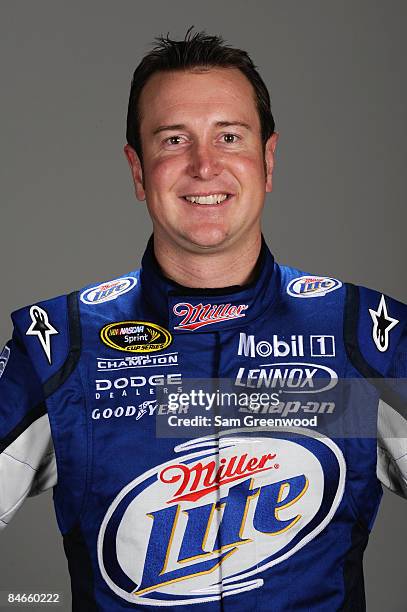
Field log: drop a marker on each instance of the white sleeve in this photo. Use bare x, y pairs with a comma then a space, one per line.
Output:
392, 425
392, 449
27, 458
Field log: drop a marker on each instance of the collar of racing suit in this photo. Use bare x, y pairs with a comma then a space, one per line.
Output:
185, 309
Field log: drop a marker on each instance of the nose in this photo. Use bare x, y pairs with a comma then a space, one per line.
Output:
204, 162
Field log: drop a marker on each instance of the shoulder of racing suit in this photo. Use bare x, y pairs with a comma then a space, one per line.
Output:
31, 368
49, 333
375, 340
374, 324
51, 330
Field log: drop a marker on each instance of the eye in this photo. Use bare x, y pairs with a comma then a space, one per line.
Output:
173, 140
230, 138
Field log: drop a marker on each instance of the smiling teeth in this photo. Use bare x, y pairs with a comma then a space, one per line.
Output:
216, 198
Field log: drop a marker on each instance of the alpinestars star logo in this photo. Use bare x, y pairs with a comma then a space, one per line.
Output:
383, 323
41, 327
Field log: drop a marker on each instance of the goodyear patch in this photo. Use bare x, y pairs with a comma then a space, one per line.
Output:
135, 336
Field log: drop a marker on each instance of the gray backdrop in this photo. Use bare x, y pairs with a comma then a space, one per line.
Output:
337, 74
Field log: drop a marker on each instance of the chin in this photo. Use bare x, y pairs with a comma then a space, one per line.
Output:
206, 236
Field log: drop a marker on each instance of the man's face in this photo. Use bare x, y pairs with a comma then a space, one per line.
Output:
203, 173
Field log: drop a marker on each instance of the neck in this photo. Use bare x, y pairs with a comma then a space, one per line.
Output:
208, 270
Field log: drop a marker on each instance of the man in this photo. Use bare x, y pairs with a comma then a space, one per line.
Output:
248, 511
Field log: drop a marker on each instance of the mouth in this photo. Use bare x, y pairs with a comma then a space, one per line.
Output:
211, 199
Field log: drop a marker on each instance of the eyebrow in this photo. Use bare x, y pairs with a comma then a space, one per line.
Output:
182, 126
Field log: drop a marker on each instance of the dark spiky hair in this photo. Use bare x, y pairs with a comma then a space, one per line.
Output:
196, 50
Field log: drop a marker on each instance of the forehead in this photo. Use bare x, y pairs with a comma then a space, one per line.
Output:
174, 97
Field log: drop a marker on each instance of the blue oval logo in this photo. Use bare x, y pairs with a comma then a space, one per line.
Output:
312, 286
215, 505
105, 292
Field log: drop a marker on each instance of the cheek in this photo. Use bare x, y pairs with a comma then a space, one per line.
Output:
162, 174
249, 168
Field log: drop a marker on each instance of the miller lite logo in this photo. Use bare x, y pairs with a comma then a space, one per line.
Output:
312, 286
199, 315
210, 521
108, 291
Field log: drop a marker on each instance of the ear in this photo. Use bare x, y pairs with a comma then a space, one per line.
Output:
269, 159
136, 171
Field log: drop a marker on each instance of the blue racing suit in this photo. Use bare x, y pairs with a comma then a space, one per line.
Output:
170, 499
